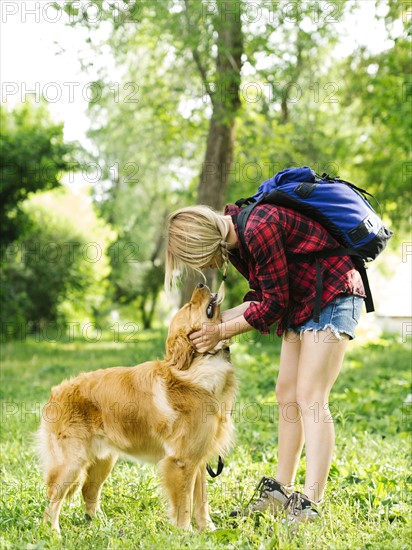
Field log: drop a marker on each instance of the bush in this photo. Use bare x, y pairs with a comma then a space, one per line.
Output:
56, 271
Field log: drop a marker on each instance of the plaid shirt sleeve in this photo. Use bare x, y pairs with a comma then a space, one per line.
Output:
268, 256
254, 294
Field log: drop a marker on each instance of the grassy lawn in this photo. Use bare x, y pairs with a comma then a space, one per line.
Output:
368, 502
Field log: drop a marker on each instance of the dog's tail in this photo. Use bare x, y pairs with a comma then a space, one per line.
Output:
49, 450
62, 463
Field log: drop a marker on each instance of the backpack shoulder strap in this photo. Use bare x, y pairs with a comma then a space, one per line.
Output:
242, 219
245, 202
337, 179
341, 251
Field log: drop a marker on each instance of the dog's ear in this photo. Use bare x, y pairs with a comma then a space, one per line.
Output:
179, 351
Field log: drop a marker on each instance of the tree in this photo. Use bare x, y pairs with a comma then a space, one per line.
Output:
144, 139
33, 158
170, 50
222, 84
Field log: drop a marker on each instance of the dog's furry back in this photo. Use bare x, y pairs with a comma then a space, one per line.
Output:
137, 411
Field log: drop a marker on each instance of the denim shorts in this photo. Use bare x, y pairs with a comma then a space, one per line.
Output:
341, 315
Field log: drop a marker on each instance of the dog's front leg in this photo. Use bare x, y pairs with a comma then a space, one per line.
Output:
179, 480
200, 503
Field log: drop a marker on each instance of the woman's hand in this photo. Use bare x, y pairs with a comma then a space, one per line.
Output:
206, 338
232, 324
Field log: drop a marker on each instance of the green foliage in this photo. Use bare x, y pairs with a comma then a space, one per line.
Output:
378, 92
349, 117
299, 106
308, 109
57, 270
367, 503
33, 158
148, 143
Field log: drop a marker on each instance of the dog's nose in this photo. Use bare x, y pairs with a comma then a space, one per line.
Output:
200, 285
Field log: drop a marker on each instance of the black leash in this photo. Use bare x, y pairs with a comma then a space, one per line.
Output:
220, 466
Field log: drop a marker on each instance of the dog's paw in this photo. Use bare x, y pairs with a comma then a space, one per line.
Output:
206, 525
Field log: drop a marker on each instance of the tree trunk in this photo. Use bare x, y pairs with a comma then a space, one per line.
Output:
217, 164
284, 109
226, 102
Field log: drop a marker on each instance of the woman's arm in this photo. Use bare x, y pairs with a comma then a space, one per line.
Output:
210, 335
229, 314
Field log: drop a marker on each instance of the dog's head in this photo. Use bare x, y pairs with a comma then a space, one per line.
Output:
202, 308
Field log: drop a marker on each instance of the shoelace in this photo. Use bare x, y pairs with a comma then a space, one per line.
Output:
299, 502
262, 488
295, 501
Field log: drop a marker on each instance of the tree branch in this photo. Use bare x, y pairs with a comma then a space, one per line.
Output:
196, 56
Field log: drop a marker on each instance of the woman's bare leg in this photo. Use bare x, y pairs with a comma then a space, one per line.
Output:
320, 361
290, 426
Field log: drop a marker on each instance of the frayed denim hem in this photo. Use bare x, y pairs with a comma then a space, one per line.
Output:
315, 331
339, 316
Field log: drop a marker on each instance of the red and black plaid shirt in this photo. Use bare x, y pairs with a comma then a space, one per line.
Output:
286, 292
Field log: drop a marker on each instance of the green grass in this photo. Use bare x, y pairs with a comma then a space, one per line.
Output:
368, 501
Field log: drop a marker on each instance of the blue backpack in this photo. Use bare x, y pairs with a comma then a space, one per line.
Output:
338, 205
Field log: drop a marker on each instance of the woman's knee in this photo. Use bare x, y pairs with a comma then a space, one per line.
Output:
285, 393
311, 400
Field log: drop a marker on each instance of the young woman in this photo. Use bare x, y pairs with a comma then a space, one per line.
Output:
312, 353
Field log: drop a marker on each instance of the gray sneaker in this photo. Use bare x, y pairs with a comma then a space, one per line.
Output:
300, 509
269, 496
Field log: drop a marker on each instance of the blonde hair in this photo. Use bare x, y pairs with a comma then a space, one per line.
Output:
196, 236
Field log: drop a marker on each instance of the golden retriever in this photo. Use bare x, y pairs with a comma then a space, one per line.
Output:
176, 411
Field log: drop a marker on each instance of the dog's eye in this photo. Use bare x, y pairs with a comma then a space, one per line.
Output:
210, 310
